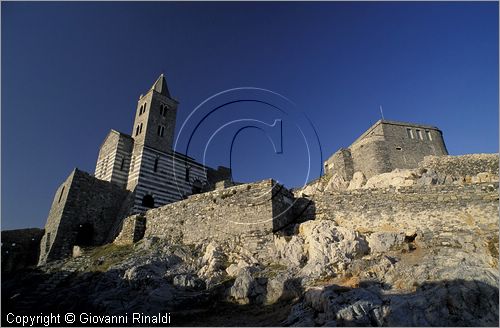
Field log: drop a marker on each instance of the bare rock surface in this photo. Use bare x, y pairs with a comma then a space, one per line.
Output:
358, 181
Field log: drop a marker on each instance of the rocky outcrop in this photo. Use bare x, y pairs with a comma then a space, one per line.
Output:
358, 181
447, 303
329, 248
421, 254
433, 170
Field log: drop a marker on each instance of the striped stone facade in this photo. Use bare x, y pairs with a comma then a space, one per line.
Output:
113, 162
144, 163
166, 177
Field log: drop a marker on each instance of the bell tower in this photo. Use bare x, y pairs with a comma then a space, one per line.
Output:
154, 124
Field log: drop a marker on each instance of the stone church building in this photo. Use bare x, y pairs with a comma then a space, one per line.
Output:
133, 173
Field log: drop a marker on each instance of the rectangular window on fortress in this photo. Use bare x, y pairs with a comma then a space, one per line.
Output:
409, 132
419, 134
428, 134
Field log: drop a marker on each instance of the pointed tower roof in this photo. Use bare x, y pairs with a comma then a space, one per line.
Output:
160, 86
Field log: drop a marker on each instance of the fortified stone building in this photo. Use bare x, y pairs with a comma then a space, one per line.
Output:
385, 146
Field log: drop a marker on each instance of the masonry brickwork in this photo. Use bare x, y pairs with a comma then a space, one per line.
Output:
462, 166
113, 162
237, 214
385, 146
20, 248
83, 212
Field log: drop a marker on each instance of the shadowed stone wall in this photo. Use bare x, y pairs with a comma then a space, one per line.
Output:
20, 248
83, 212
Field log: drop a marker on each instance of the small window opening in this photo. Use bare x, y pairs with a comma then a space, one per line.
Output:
137, 130
148, 201
409, 132
419, 134
161, 130
140, 110
398, 148
155, 168
61, 194
428, 134
122, 163
140, 129
163, 110
186, 178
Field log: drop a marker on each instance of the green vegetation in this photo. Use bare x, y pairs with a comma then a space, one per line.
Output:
103, 257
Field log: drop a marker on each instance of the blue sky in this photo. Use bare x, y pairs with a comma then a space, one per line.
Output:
72, 71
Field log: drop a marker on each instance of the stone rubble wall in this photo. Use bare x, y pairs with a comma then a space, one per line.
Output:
411, 208
133, 229
81, 200
245, 212
463, 165
20, 248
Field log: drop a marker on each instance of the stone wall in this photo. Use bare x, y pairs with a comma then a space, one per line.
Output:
83, 213
371, 157
466, 205
463, 165
162, 176
244, 212
20, 248
405, 152
113, 162
341, 163
133, 229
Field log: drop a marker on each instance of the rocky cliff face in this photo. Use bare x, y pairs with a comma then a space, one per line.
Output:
382, 252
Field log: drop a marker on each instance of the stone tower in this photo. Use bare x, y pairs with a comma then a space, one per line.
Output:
154, 127
154, 123
157, 174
